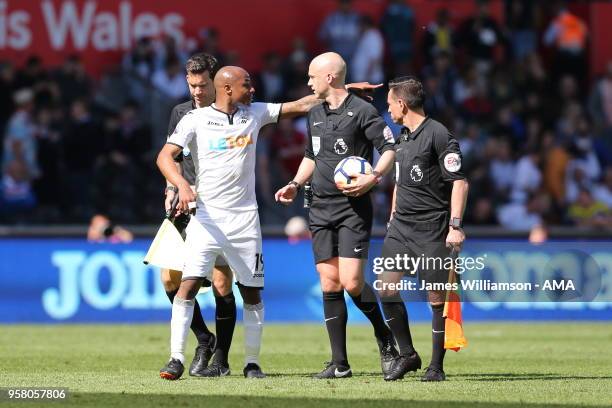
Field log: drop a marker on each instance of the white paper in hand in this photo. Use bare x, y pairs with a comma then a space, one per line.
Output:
167, 249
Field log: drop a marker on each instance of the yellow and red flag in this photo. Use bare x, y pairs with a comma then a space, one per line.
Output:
453, 329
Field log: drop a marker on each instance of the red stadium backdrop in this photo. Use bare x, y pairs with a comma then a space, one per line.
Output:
101, 31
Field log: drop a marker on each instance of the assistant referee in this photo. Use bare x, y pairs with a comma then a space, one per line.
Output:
426, 218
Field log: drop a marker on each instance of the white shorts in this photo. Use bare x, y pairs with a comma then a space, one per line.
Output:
234, 236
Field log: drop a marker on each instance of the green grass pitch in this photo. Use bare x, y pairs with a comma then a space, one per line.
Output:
505, 365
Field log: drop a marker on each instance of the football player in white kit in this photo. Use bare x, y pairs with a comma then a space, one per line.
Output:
222, 139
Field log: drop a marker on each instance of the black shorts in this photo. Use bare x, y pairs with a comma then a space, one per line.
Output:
341, 227
418, 246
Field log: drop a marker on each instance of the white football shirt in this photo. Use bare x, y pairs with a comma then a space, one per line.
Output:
223, 149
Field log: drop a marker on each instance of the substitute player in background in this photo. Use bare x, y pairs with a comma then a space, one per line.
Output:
201, 68
222, 139
426, 218
341, 220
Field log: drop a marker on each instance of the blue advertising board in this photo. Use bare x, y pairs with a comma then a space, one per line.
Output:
64, 280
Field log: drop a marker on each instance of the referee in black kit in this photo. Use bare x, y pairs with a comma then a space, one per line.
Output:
426, 218
341, 220
201, 68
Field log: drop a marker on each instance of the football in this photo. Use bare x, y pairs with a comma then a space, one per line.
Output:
348, 168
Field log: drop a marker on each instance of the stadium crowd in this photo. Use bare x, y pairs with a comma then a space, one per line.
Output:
535, 131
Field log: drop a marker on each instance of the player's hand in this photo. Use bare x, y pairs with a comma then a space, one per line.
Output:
360, 184
363, 89
186, 196
455, 239
286, 194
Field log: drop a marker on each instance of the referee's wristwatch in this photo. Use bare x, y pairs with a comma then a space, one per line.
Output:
295, 183
456, 223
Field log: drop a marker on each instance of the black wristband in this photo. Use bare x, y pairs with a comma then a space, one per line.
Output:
171, 188
294, 183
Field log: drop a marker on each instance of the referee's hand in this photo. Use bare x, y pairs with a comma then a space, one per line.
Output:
360, 184
286, 194
455, 239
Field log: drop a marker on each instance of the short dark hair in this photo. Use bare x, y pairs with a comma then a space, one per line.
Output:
198, 63
410, 90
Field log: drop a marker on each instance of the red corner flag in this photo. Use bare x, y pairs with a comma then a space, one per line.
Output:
453, 330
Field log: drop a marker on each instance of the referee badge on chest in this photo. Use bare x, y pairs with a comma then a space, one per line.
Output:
340, 147
316, 144
416, 174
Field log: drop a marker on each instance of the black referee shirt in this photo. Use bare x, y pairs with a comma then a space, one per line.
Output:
187, 166
427, 161
353, 129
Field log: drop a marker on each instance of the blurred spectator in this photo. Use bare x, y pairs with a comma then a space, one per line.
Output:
166, 50
601, 99
587, 212
555, 158
101, 229
367, 62
31, 74
270, 86
7, 90
568, 34
442, 68
603, 191
49, 139
72, 81
439, 37
397, 24
480, 35
503, 169
520, 20
518, 216
211, 45
528, 176
583, 169
82, 146
297, 230
140, 61
20, 135
296, 70
16, 194
340, 30
171, 79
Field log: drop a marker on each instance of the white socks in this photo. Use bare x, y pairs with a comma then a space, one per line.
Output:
182, 313
253, 318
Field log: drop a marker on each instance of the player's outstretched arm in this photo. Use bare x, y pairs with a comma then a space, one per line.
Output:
165, 163
286, 194
300, 107
303, 105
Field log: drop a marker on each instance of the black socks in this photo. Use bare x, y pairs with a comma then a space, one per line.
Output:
336, 316
367, 302
397, 319
437, 336
225, 318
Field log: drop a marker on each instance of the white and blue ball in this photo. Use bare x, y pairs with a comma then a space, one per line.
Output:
348, 168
